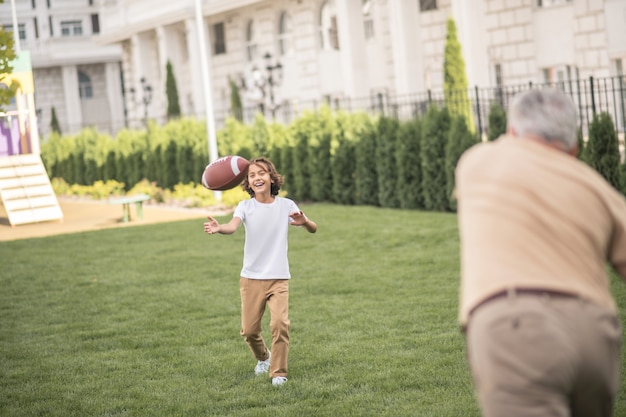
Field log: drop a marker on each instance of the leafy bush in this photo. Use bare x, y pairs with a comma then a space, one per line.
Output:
603, 149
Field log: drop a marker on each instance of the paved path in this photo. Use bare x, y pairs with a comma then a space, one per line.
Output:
81, 216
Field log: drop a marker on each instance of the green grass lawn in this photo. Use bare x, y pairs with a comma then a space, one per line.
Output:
144, 321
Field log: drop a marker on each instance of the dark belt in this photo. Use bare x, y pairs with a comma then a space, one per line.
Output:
513, 292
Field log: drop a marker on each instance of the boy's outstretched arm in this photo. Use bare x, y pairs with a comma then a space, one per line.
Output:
212, 226
300, 219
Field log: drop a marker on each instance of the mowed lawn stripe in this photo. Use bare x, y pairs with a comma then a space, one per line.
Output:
144, 321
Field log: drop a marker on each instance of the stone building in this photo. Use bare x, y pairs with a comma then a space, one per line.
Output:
73, 74
352, 54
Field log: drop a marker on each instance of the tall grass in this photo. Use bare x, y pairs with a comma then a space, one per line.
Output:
144, 321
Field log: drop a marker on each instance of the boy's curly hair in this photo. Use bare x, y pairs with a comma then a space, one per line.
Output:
277, 179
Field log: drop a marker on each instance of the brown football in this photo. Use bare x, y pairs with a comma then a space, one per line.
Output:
225, 173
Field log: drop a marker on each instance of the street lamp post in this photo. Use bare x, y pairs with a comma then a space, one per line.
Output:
265, 82
146, 98
270, 79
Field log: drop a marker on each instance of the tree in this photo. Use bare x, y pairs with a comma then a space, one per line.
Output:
236, 108
602, 151
54, 122
173, 107
7, 55
455, 81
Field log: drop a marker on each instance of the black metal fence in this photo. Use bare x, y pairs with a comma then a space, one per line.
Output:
591, 96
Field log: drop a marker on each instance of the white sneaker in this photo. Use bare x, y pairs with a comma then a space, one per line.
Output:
279, 380
263, 367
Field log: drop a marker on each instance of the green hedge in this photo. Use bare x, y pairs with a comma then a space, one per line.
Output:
323, 155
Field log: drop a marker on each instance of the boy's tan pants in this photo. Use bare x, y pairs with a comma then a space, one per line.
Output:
255, 295
541, 355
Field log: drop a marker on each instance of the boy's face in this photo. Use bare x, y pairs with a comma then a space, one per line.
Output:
259, 178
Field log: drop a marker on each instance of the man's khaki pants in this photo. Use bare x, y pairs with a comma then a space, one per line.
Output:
539, 355
255, 295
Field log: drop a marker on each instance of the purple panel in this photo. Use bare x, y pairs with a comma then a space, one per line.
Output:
15, 147
5, 135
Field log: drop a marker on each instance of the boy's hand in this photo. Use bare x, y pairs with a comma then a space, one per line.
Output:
212, 226
298, 218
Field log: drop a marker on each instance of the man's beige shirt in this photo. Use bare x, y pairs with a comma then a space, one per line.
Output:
531, 216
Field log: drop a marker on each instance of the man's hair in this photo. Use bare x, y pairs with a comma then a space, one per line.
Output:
548, 114
277, 179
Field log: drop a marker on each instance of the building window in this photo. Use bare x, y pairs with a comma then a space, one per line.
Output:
329, 34
21, 30
497, 69
85, 89
251, 46
32, 4
560, 75
95, 23
36, 25
426, 5
50, 26
550, 3
219, 39
368, 19
284, 34
71, 28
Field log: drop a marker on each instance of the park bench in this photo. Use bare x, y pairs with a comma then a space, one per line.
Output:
126, 201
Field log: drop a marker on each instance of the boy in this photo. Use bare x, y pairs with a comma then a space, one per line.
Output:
265, 273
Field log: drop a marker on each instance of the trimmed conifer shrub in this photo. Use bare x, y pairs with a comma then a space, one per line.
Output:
433, 155
410, 165
236, 108
302, 130
54, 122
622, 171
582, 146
386, 164
171, 91
455, 83
602, 151
366, 175
319, 165
459, 140
497, 122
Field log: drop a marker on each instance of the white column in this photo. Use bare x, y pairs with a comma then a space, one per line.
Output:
195, 68
135, 108
32, 123
73, 110
352, 48
114, 94
473, 39
406, 46
159, 89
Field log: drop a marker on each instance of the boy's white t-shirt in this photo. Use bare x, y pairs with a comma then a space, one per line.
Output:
267, 227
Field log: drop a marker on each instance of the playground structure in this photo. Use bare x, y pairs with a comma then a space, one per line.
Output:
25, 189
